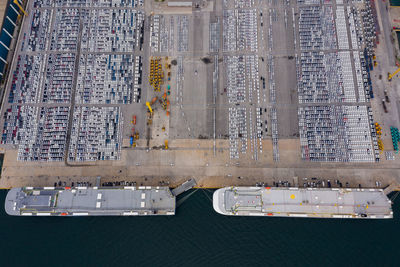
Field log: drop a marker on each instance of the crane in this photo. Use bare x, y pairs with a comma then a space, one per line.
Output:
390, 76
149, 107
20, 7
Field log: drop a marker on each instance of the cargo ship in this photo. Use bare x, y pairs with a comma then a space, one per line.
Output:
90, 201
303, 202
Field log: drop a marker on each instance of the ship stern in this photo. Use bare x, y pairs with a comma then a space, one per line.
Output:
10, 205
218, 201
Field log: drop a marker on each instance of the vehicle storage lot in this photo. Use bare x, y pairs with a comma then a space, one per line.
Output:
80, 61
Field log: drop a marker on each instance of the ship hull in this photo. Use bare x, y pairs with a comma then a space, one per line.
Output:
303, 202
90, 201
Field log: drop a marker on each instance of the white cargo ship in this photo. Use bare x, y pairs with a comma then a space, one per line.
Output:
90, 201
303, 202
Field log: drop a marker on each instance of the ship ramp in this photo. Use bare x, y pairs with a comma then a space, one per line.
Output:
390, 188
189, 184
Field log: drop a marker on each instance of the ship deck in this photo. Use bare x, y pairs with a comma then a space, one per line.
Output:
303, 202
94, 201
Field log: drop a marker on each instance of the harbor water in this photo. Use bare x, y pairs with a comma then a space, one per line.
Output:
197, 236
398, 36
395, 2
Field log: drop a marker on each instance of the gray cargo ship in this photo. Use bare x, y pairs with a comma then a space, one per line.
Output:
90, 201
303, 202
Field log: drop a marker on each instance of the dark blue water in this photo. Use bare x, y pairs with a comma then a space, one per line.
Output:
395, 2
197, 236
398, 35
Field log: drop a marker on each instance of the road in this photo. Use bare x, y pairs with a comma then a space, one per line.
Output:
383, 16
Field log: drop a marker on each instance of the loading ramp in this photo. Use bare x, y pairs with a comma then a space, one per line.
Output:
184, 187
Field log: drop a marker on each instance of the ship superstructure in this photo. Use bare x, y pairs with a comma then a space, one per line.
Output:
90, 201
303, 202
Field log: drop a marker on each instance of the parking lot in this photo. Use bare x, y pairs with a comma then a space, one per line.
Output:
335, 83
78, 64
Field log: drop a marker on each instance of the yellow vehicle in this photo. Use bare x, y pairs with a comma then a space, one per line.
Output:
380, 145
391, 75
156, 74
149, 107
378, 129
20, 7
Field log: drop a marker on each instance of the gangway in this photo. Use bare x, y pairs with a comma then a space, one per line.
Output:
184, 187
390, 188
